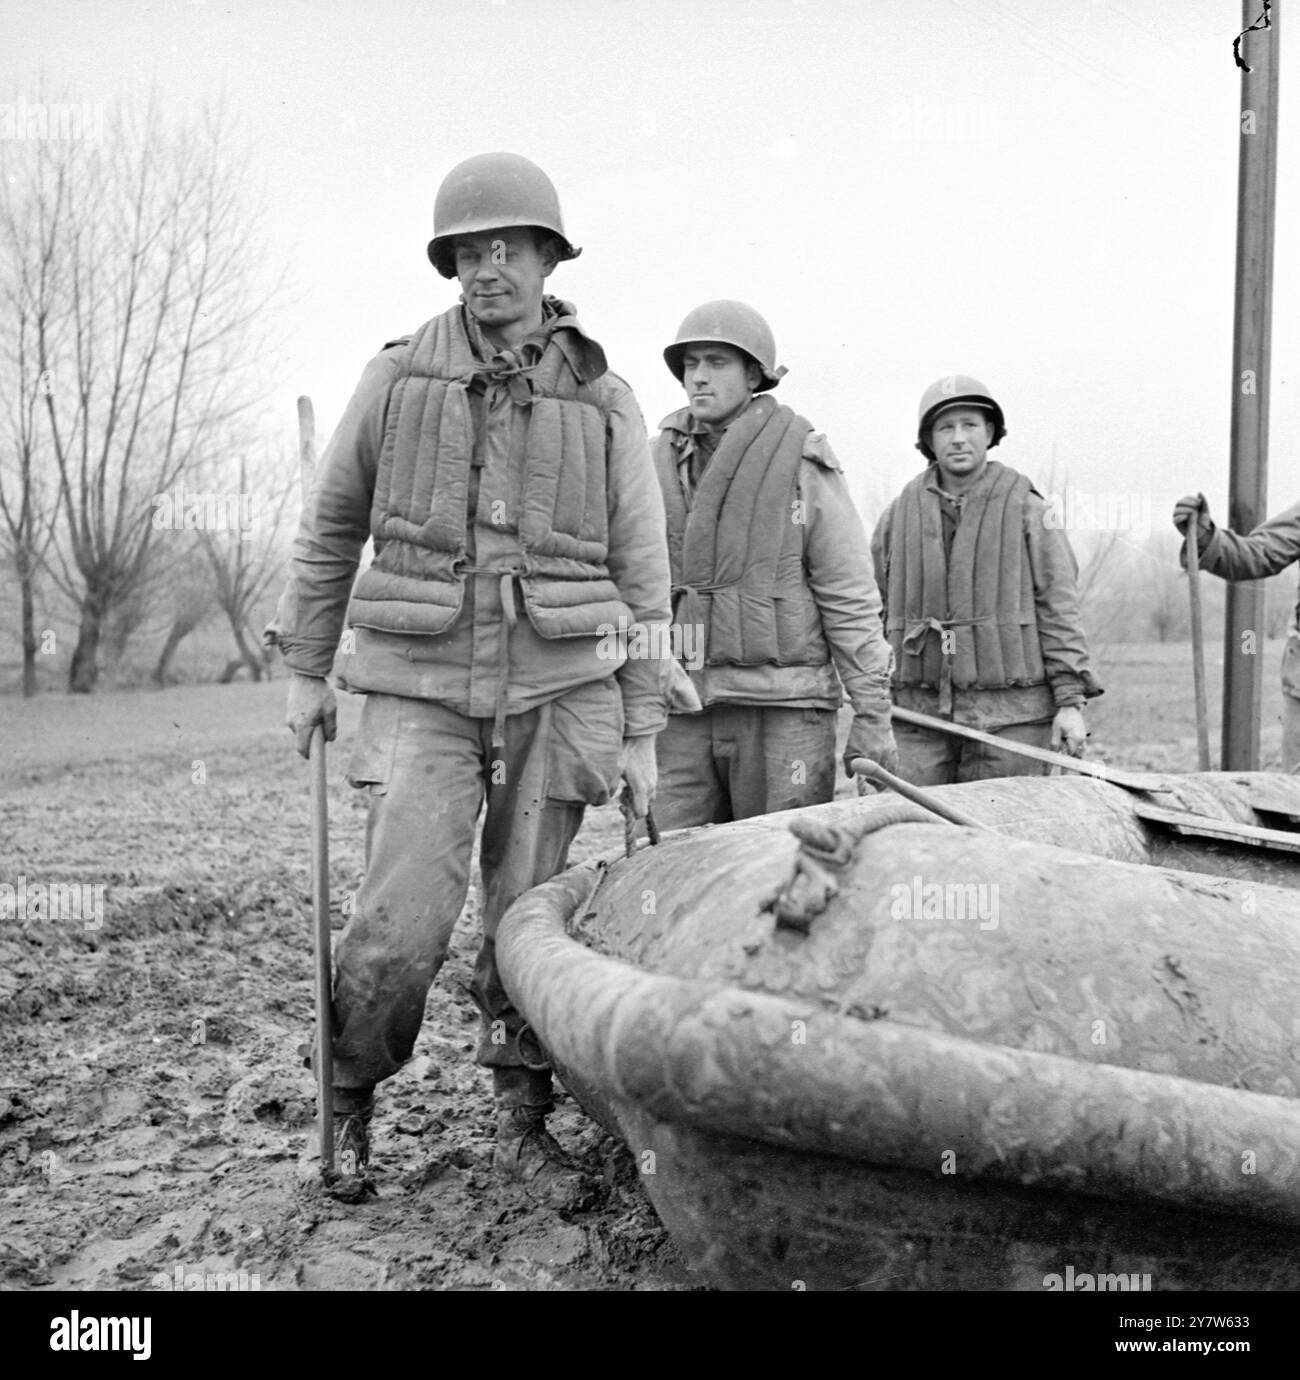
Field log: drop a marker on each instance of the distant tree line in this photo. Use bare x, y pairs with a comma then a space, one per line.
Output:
1135, 591
136, 492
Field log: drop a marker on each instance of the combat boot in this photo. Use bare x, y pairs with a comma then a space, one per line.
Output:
527, 1153
350, 1180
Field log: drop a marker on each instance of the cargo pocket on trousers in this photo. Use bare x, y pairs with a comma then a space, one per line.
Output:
375, 750
586, 740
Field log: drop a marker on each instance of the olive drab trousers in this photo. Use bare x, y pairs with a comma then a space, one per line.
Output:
430, 771
734, 761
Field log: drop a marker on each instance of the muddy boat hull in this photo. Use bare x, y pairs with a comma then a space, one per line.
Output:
1097, 817
749, 1216
829, 1085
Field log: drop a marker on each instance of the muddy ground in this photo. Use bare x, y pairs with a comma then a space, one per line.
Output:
153, 1113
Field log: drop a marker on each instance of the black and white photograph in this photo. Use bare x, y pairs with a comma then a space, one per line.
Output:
649, 648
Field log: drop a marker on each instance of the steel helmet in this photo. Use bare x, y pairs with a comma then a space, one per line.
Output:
493, 191
728, 323
951, 391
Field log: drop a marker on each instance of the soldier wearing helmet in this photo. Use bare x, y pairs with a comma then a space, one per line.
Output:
504, 474
772, 589
981, 601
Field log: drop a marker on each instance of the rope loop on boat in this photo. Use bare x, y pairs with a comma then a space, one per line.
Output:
826, 852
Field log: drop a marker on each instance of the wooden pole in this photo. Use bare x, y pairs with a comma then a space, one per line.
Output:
1251, 343
873, 771
320, 905
323, 1053
1198, 645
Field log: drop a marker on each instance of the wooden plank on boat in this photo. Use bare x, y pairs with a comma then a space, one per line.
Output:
1276, 798
1203, 827
1127, 780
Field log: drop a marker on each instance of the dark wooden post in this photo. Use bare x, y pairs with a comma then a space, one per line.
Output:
1251, 341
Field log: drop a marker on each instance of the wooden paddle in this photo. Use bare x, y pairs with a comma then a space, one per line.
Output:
1128, 780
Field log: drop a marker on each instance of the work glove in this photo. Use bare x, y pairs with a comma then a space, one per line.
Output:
311, 702
639, 769
1069, 733
870, 735
1194, 505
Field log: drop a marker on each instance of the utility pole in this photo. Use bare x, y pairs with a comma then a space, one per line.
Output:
1251, 344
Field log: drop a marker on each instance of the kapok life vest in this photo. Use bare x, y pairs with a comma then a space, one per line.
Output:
967, 619
736, 555
418, 513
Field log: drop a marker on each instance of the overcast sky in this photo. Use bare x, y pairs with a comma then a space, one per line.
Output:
1042, 194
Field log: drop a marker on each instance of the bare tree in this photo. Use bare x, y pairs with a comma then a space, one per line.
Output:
1100, 566
147, 342
1168, 605
121, 624
28, 288
192, 601
246, 561
1103, 591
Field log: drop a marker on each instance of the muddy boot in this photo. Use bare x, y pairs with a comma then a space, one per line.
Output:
527, 1153
350, 1181
525, 1150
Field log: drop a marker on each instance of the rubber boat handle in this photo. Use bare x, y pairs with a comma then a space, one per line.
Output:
873, 771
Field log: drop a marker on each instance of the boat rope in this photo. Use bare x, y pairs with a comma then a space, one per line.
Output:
826, 852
